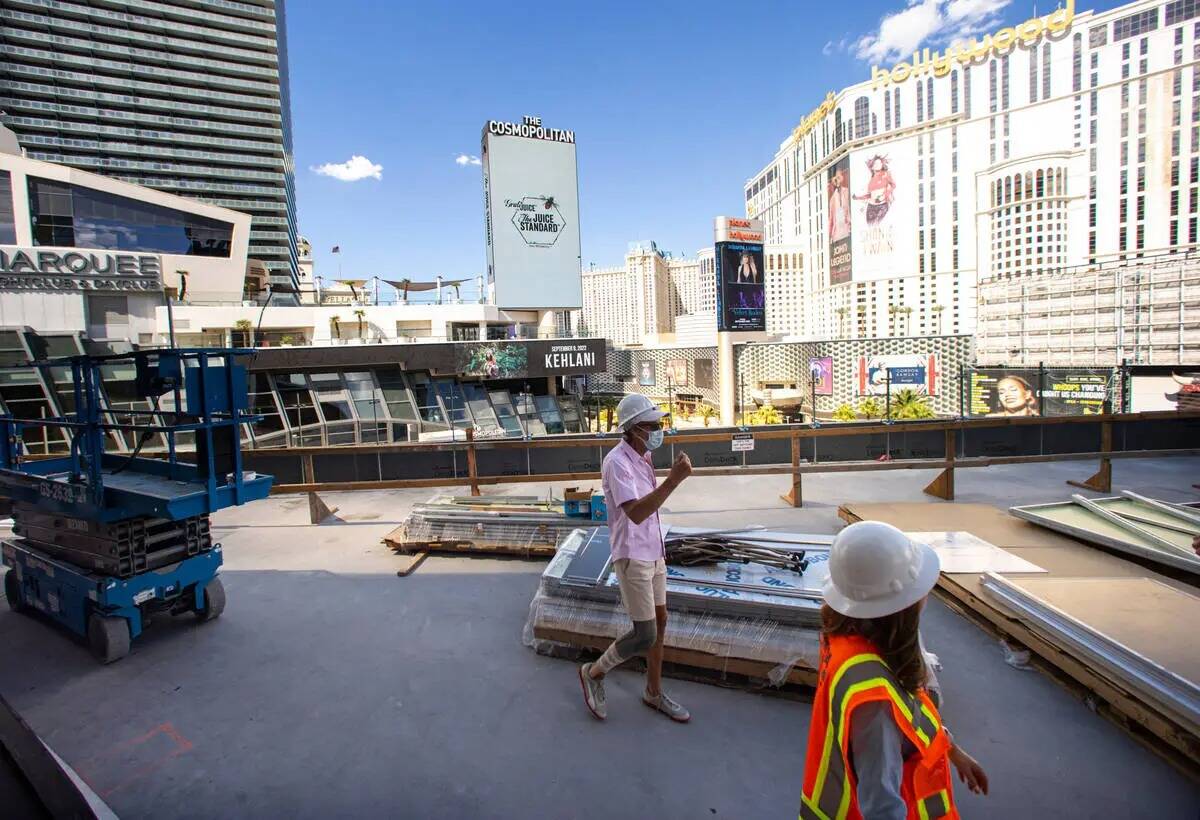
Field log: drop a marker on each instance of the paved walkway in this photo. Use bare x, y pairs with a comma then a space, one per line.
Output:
332, 688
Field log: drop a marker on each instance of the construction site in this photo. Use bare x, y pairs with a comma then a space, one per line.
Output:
405, 648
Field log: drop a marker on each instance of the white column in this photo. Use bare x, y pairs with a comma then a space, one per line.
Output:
726, 382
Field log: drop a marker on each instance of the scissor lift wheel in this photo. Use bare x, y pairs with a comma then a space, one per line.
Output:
214, 600
109, 637
12, 592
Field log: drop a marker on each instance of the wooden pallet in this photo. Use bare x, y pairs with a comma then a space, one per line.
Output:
395, 542
1177, 744
689, 664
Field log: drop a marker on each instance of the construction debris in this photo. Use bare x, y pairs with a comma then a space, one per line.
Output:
1155, 530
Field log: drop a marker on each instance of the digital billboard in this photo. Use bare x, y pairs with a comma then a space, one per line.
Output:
883, 212
839, 227
740, 289
999, 392
531, 197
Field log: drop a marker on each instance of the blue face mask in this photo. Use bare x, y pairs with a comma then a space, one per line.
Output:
654, 440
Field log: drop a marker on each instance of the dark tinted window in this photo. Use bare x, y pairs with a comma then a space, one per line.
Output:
65, 215
8, 227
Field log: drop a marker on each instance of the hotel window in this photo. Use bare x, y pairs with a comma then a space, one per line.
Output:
1077, 64
1192, 231
862, 116
65, 215
896, 108
928, 96
954, 92
8, 223
993, 70
1134, 25
920, 104
887, 110
1179, 11
1033, 75
1004, 82
967, 91
1141, 237
1045, 71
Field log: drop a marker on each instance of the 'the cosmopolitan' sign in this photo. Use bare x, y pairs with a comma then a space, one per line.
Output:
33, 269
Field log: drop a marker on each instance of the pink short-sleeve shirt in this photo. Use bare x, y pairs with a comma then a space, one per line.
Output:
627, 476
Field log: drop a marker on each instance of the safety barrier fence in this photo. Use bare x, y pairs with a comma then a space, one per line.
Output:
945, 444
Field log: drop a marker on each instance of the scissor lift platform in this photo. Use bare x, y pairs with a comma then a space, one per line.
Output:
107, 539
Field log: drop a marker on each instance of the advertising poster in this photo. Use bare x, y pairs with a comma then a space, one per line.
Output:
531, 225
883, 212
913, 371
646, 373
493, 360
821, 372
839, 229
677, 372
740, 287
704, 373
998, 392
1178, 390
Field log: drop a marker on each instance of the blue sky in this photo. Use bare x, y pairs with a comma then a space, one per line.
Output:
674, 105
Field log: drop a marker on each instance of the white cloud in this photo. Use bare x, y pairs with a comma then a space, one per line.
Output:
467, 159
832, 46
927, 22
352, 170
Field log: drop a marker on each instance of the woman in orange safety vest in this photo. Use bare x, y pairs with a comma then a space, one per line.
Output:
877, 748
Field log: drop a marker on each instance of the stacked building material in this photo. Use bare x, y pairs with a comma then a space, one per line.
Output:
1129, 629
501, 525
120, 548
733, 620
1154, 530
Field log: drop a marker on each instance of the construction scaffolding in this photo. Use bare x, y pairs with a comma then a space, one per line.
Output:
1143, 311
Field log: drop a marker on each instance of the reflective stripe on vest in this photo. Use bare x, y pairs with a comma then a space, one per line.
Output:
831, 792
934, 806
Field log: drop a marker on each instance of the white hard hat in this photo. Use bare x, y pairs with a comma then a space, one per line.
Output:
636, 408
876, 570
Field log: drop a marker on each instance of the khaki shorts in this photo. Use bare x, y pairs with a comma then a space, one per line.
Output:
643, 586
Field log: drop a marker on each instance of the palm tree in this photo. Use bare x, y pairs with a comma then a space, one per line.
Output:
360, 315
910, 404
244, 326
333, 325
707, 413
870, 407
937, 309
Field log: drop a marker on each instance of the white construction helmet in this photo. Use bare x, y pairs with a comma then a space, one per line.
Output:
636, 408
876, 570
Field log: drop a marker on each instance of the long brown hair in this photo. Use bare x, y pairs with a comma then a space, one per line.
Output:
895, 637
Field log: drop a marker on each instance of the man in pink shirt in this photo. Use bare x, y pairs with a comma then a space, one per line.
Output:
633, 500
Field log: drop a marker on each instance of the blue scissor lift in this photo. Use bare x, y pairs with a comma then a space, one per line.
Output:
103, 539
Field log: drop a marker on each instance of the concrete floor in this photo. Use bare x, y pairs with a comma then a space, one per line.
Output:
330, 687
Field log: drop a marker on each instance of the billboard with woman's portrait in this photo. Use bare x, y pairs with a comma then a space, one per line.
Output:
837, 193
1000, 392
741, 286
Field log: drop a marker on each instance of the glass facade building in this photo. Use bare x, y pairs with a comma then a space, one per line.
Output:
65, 215
185, 97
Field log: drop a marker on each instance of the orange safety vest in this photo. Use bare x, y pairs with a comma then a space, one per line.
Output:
852, 673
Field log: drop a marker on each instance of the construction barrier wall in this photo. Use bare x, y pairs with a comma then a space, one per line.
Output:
566, 457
